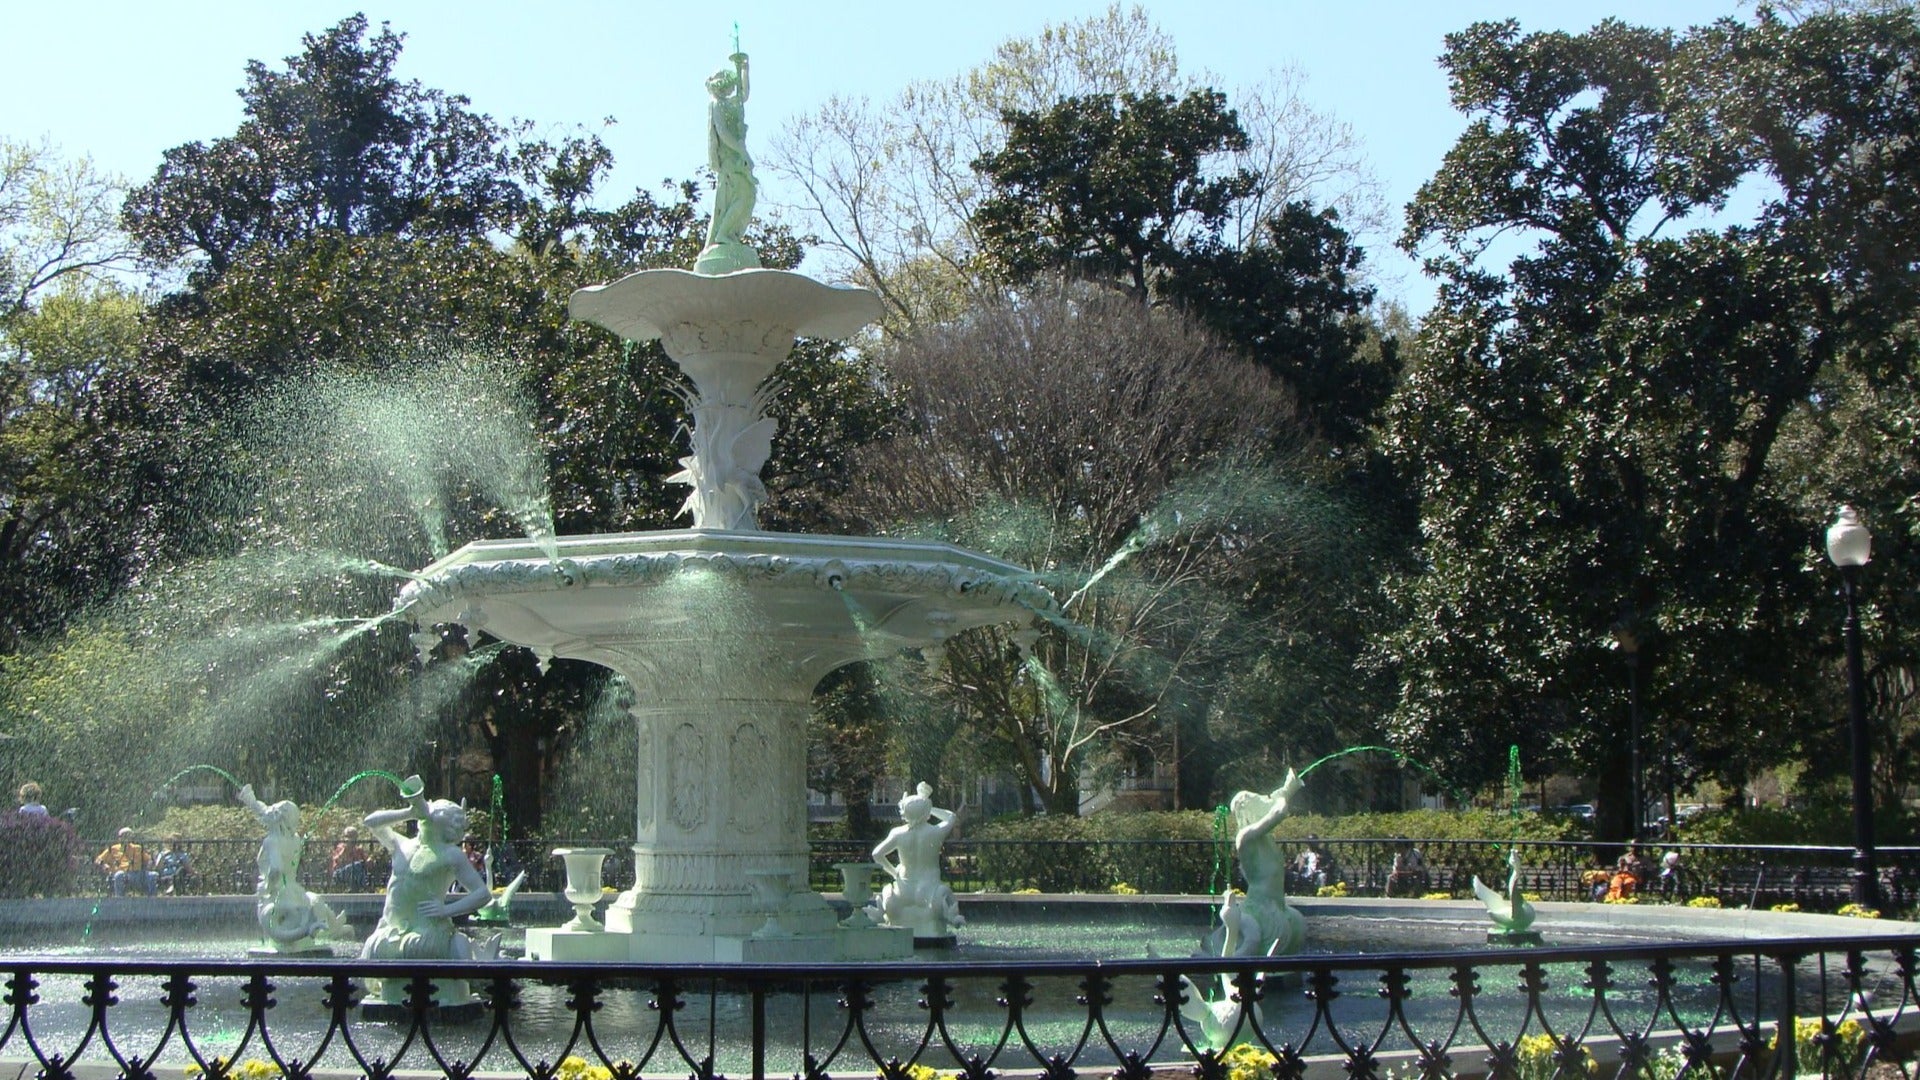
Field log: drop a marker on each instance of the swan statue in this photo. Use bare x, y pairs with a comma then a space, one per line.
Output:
1511, 913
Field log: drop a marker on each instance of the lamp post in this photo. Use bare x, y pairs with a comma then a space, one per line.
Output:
1850, 546
1630, 647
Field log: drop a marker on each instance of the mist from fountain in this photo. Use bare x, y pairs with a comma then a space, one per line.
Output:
289, 636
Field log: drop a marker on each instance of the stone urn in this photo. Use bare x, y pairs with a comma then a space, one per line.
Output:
856, 887
583, 884
771, 889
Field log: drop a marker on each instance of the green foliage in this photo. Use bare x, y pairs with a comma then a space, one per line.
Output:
1820, 823
1101, 855
1294, 304
1110, 187
332, 143
1622, 429
68, 339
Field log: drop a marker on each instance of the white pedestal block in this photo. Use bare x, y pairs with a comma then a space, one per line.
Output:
876, 943
575, 946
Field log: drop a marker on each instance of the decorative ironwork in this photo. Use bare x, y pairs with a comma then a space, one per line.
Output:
1842, 1007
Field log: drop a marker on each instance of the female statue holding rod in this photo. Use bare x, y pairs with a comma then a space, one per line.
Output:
732, 167
288, 914
727, 153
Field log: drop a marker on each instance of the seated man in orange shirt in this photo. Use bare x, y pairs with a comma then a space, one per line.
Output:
125, 861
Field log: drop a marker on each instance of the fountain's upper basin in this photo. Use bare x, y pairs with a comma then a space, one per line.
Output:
818, 601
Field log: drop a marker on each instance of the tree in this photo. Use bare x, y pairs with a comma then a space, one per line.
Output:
1596, 433
68, 333
1100, 187
1138, 467
333, 142
889, 189
1137, 192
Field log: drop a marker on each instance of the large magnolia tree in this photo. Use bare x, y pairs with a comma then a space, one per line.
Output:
1631, 418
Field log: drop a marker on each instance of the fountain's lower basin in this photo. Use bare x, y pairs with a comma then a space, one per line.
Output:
722, 637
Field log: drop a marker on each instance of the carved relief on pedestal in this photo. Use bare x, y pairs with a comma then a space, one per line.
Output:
694, 342
687, 774
704, 874
752, 788
643, 786
792, 783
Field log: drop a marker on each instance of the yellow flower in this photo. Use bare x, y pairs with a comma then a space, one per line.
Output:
1537, 1054
917, 1071
1246, 1061
1856, 911
1338, 888
250, 1069
1026, 892
1787, 908
1124, 889
574, 1067
1848, 1040
1710, 902
1436, 896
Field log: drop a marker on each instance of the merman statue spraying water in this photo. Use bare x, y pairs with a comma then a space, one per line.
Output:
416, 923
289, 915
1282, 930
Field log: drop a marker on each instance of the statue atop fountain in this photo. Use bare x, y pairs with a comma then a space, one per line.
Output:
735, 187
910, 854
416, 922
289, 915
1281, 929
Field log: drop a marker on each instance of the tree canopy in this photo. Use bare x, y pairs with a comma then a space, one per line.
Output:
1610, 433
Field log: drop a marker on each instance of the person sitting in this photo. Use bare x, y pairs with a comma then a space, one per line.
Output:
126, 862
349, 863
1325, 872
1304, 872
1596, 877
1632, 862
30, 800
476, 853
1629, 874
1409, 874
170, 869
1672, 877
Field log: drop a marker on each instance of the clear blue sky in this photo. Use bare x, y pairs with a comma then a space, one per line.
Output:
123, 81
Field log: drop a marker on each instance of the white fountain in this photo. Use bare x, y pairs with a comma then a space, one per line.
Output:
723, 630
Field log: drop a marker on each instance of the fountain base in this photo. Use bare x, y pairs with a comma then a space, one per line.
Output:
312, 950
838, 944
387, 1012
1513, 937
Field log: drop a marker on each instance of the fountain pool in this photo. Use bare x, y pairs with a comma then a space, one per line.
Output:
1034, 981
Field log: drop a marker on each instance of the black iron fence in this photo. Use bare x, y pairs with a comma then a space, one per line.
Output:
1814, 878
1727, 1010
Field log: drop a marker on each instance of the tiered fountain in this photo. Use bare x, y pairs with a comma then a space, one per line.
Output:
723, 630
